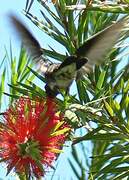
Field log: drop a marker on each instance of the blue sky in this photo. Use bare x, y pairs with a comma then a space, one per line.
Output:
6, 30
5, 35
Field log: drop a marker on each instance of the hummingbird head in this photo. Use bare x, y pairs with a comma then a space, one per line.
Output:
74, 60
81, 62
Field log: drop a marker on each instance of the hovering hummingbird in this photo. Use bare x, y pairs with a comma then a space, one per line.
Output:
61, 75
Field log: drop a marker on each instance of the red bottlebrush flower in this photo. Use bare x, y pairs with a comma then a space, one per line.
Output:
31, 136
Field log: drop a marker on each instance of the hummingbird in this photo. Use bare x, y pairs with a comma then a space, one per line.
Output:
59, 76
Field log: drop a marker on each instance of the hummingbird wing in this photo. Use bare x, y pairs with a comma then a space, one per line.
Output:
96, 48
31, 44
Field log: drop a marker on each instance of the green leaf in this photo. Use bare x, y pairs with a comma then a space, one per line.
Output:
2, 86
100, 81
60, 132
109, 109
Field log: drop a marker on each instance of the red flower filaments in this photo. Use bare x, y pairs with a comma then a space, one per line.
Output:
31, 136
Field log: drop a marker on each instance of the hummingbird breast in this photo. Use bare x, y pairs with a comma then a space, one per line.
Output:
60, 78
61, 81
